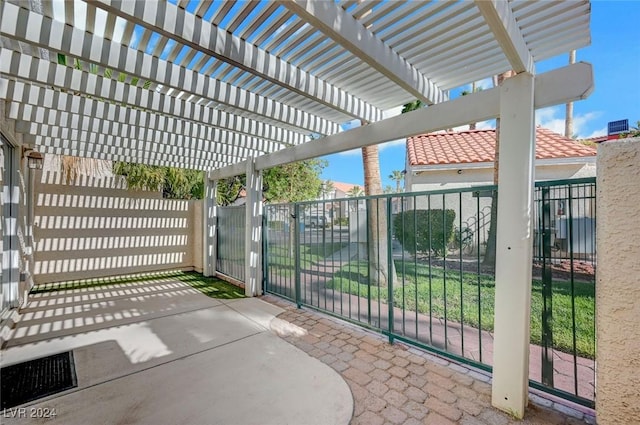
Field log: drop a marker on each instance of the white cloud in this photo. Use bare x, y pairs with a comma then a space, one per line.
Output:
597, 133
485, 84
392, 143
553, 118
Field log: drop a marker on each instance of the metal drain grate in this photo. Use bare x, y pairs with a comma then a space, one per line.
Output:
37, 378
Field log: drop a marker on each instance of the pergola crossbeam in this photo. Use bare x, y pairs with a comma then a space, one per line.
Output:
51, 74
188, 29
559, 86
102, 144
190, 148
337, 24
115, 56
500, 18
64, 109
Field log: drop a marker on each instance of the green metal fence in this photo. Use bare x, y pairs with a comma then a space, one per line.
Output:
230, 241
418, 268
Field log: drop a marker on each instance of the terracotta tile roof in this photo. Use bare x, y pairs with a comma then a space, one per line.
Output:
345, 187
466, 147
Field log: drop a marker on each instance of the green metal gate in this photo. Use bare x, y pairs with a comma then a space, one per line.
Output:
436, 247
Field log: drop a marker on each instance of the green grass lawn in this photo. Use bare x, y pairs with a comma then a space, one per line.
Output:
470, 300
212, 287
281, 262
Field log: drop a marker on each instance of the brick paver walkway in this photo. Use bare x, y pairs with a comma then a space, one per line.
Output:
395, 384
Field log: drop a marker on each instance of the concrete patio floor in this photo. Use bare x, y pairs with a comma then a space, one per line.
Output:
160, 352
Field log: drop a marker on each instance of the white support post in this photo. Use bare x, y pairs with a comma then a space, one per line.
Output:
514, 245
209, 227
253, 231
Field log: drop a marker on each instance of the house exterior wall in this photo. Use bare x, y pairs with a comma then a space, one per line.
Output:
94, 227
618, 283
450, 179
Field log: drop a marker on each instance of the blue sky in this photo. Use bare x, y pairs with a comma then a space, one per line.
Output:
615, 55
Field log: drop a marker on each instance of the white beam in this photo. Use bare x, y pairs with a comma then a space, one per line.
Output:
40, 71
499, 16
118, 157
514, 246
74, 43
193, 31
209, 228
559, 86
103, 145
253, 231
340, 26
37, 104
107, 142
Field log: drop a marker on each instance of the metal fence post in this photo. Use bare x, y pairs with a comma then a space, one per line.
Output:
390, 271
547, 306
296, 252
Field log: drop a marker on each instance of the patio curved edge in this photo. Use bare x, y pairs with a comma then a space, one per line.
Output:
256, 378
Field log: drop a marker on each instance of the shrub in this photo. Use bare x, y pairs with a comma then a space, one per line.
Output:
425, 230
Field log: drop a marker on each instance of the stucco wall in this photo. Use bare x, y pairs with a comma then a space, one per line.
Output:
94, 227
618, 283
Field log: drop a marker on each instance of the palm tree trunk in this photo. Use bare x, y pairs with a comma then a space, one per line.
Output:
377, 220
568, 122
490, 254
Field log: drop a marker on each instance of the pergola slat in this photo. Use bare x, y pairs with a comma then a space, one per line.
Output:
336, 24
500, 19
121, 58
51, 74
170, 21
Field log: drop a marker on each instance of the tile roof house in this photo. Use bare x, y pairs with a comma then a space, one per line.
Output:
465, 158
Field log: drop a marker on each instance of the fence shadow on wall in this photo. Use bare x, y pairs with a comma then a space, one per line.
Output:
95, 227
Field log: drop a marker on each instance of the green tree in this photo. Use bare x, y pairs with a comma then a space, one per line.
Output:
633, 132
228, 190
412, 106
175, 183
398, 177
294, 182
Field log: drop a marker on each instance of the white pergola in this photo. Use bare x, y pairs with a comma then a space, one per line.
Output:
241, 86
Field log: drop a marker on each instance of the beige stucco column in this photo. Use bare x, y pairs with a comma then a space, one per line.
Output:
618, 283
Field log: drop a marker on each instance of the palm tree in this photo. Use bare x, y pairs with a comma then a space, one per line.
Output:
397, 176
379, 273
327, 189
73, 167
490, 254
568, 122
355, 191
